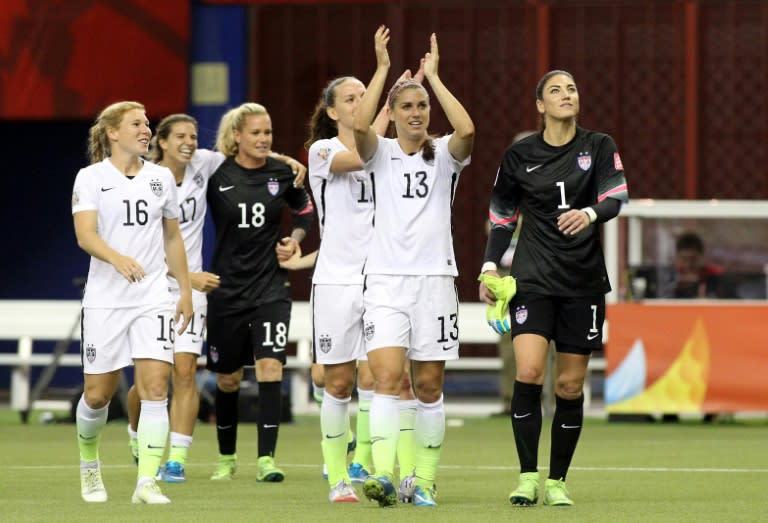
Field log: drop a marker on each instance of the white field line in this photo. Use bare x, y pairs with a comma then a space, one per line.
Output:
706, 470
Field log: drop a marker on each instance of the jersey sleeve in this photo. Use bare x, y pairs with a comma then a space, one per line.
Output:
171, 204
504, 209
301, 206
210, 161
611, 182
381, 152
441, 149
84, 196
321, 155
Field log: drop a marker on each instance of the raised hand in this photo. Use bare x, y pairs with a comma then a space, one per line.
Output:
380, 41
419, 76
429, 63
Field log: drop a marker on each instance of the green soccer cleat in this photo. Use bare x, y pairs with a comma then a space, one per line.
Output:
267, 471
225, 468
527, 492
555, 494
380, 489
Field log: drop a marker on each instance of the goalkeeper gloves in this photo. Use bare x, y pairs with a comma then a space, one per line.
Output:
504, 289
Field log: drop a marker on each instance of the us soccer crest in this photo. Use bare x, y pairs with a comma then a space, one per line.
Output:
198, 179
521, 314
325, 343
369, 330
213, 353
273, 186
90, 353
584, 161
157, 187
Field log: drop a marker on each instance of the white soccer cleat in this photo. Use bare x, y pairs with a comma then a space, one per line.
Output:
91, 487
343, 493
149, 492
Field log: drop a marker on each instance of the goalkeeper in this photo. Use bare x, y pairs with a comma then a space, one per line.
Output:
565, 181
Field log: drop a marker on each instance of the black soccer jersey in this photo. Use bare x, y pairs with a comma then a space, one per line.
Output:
541, 182
246, 206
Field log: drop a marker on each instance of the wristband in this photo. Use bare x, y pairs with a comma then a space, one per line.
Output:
591, 214
488, 266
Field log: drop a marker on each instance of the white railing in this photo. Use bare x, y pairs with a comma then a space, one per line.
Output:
26, 321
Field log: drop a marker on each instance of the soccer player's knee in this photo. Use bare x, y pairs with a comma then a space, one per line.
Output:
228, 382
184, 381
339, 387
569, 389
530, 374
95, 399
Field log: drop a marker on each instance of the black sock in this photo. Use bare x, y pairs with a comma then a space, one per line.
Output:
270, 406
566, 428
226, 405
526, 423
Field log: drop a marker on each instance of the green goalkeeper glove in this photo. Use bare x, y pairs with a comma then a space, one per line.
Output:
504, 289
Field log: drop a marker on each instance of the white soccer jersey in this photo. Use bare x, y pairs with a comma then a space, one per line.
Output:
344, 204
412, 220
192, 208
130, 213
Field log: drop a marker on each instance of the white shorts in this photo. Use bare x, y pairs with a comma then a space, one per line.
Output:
337, 319
113, 338
192, 339
419, 313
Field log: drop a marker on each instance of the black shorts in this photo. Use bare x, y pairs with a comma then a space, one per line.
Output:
237, 340
575, 323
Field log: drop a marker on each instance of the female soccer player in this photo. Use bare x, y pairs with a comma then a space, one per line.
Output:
175, 146
563, 181
410, 302
249, 313
126, 217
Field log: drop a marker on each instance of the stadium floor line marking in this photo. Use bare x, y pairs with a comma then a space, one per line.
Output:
454, 467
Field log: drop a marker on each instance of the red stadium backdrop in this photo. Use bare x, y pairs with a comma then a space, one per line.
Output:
70, 58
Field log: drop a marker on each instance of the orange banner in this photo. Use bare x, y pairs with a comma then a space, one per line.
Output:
686, 357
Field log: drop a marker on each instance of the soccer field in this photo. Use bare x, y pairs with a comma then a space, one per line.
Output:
621, 472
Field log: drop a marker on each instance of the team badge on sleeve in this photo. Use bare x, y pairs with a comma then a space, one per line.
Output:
156, 186
198, 179
324, 152
617, 162
273, 186
584, 161
75, 197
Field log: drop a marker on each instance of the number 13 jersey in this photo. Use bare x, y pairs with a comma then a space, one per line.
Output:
412, 229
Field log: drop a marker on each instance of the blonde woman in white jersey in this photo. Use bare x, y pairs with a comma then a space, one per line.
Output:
410, 301
175, 146
126, 217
